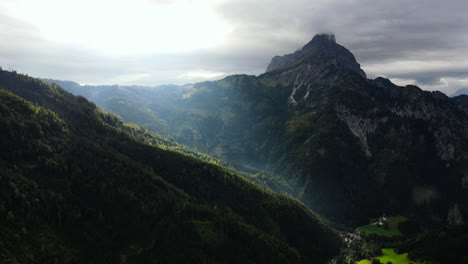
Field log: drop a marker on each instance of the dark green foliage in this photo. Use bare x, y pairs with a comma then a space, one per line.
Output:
273, 182
360, 250
405, 142
385, 225
446, 245
409, 227
80, 186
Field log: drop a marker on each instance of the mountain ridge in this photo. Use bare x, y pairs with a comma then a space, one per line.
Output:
335, 136
77, 187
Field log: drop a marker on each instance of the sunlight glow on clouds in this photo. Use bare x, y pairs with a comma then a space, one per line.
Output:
122, 26
152, 42
404, 66
129, 78
201, 75
442, 75
448, 84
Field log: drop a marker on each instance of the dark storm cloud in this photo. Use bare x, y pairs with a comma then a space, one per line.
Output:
377, 32
374, 30
417, 41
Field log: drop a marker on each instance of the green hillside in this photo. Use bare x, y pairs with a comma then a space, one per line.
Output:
79, 186
348, 147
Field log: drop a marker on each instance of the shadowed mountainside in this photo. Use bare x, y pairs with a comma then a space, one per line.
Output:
349, 147
79, 186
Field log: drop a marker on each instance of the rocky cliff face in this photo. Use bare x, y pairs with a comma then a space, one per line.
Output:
323, 68
446, 121
395, 126
455, 216
282, 61
327, 44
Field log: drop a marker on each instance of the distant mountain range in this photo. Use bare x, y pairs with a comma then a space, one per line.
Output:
460, 91
348, 147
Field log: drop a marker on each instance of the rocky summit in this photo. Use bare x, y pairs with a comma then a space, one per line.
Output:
325, 43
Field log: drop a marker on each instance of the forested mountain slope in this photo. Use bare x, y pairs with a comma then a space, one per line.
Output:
79, 187
130, 102
351, 147
445, 245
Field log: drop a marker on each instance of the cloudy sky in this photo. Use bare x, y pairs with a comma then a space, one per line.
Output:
151, 42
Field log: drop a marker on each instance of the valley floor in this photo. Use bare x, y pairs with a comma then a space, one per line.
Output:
389, 256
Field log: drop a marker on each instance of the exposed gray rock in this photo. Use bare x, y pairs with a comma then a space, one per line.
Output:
281, 61
323, 65
359, 126
455, 216
465, 182
446, 122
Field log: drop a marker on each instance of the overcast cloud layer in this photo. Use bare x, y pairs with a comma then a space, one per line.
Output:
152, 42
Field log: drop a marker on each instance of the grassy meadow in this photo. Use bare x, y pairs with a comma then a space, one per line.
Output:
381, 231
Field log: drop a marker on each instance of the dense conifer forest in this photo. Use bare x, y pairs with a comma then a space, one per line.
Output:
80, 186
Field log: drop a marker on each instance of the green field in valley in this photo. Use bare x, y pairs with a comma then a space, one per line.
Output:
389, 255
391, 231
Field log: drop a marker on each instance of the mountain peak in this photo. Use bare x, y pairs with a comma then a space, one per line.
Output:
325, 42
325, 37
